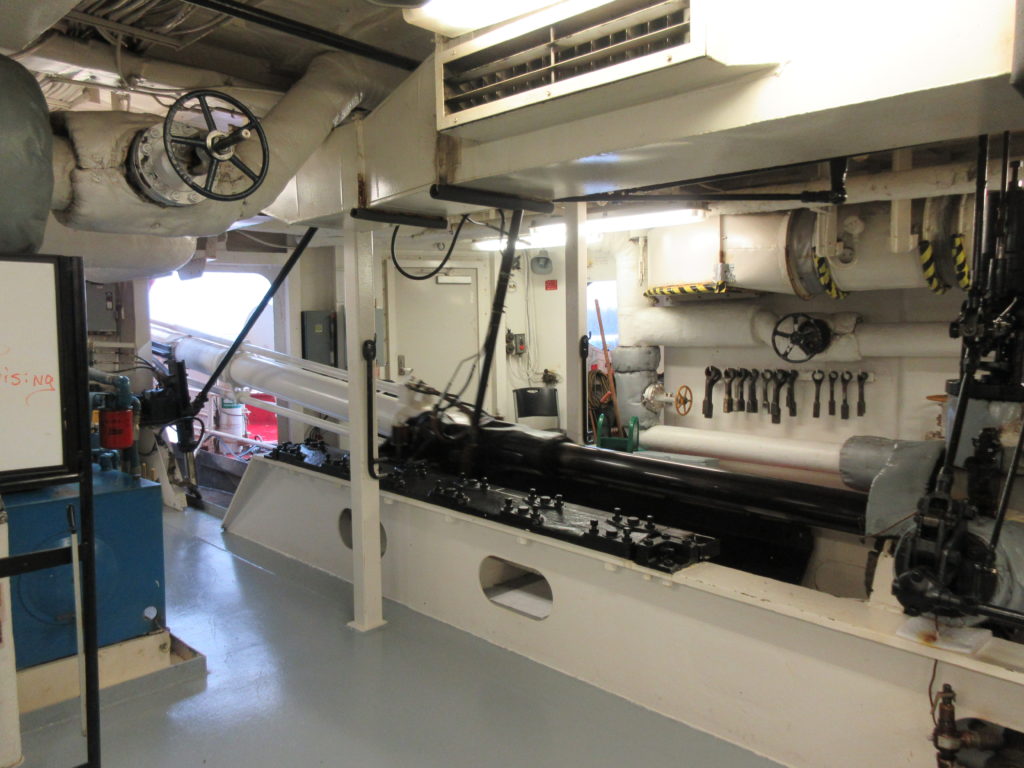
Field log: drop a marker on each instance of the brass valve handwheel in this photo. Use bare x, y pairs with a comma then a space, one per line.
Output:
683, 400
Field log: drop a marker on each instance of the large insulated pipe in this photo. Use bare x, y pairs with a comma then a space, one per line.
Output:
103, 199
287, 378
26, 144
111, 258
754, 449
745, 325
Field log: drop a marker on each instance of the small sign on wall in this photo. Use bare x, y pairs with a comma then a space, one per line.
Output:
550, 285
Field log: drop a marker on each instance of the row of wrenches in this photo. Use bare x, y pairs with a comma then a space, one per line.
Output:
741, 391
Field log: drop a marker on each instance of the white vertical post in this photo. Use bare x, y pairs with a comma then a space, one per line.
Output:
359, 326
10, 730
575, 316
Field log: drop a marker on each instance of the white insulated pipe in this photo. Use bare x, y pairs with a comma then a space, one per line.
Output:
754, 449
731, 325
103, 200
288, 379
737, 326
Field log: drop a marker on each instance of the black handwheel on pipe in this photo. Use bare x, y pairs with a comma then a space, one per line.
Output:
213, 148
797, 337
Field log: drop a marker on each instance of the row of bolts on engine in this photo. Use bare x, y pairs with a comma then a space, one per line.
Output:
744, 380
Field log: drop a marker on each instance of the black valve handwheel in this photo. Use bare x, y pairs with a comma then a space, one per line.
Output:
797, 337
218, 146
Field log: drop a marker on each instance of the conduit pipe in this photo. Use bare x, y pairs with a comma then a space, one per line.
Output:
104, 201
289, 379
754, 449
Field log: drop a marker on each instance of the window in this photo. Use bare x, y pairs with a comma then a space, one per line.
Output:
217, 303
606, 293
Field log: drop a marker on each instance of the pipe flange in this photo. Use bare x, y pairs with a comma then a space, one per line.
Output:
151, 169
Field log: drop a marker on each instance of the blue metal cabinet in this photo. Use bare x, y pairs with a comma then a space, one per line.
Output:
129, 564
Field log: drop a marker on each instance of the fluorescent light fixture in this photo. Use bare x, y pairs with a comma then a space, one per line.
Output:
553, 235
452, 18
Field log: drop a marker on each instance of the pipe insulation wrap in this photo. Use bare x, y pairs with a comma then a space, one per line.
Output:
26, 147
111, 258
104, 201
288, 380
754, 449
742, 325
734, 325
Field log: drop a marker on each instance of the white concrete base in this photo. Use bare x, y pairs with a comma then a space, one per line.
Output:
47, 684
799, 676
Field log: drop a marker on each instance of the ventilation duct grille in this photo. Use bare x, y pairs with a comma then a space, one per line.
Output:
566, 49
602, 56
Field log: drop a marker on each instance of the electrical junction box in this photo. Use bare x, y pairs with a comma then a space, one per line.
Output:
319, 336
101, 308
129, 565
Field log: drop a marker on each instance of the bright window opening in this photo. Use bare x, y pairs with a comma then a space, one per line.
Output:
217, 303
605, 292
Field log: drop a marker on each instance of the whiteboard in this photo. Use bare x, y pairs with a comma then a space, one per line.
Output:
31, 433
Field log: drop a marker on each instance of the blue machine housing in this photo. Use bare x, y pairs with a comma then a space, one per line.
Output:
129, 565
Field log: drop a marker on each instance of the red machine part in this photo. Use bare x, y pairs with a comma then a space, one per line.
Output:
116, 429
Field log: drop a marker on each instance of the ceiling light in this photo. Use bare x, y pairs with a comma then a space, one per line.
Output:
452, 18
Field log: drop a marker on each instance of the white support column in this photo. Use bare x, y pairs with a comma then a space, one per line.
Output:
575, 316
359, 326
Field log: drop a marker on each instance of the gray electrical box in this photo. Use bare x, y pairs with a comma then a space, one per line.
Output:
319, 336
101, 308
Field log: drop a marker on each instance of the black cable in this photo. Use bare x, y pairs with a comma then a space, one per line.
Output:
369, 353
451, 247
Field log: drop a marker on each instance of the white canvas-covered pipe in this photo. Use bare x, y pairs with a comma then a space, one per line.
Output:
10, 725
754, 449
103, 200
743, 325
289, 380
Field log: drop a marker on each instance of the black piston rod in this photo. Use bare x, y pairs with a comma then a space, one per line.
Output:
513, 449
399, 218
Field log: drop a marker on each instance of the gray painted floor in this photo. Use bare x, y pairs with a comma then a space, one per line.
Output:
290, 685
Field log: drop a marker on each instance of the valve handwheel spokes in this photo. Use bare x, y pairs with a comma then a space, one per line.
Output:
797, 337
217, 147
683, 400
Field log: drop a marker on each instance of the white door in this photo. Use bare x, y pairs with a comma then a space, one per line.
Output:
438, 324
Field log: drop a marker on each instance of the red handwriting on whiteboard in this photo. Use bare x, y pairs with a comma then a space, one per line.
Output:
30, 383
